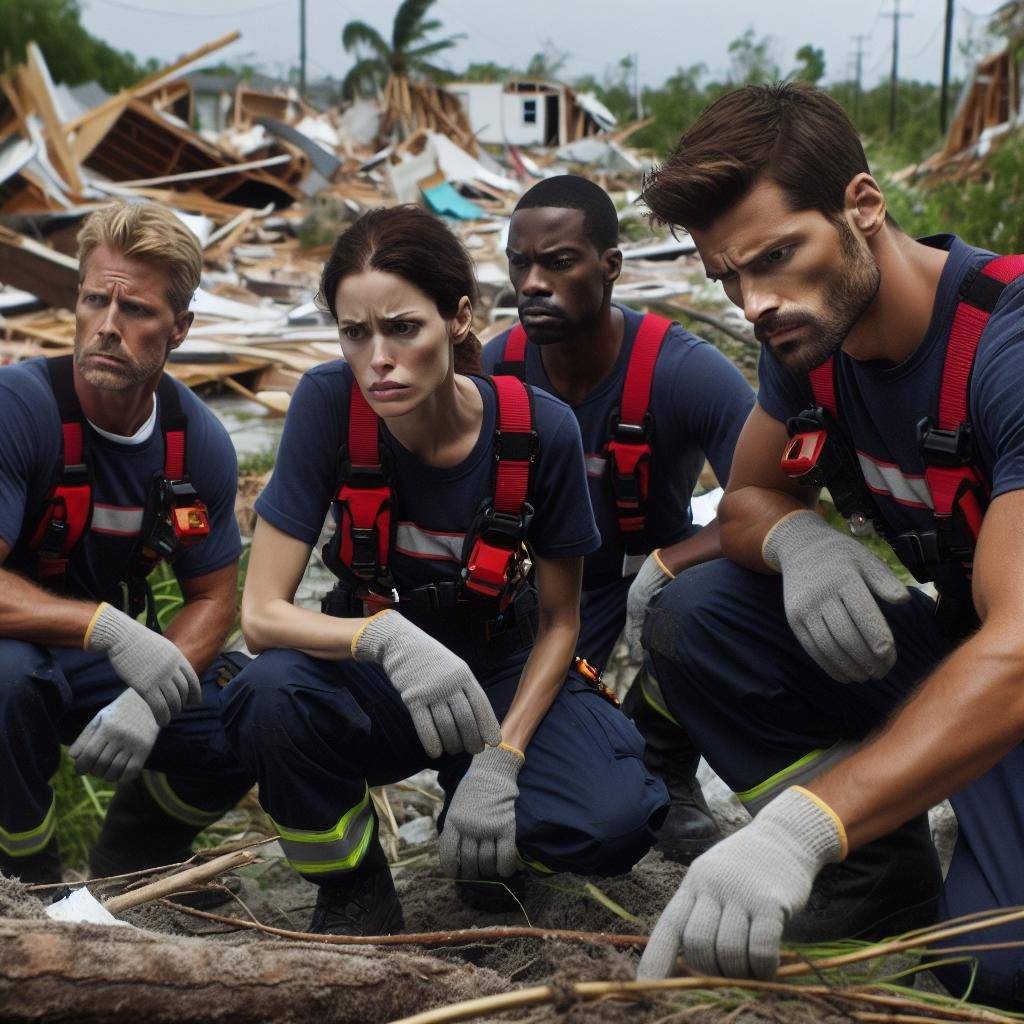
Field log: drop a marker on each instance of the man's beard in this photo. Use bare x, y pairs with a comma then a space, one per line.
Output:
127, 374
846, 299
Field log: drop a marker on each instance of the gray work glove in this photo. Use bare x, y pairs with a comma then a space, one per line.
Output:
479, 835
729, 911
449, 709
650, 581
117, 741
147, 662
830, 583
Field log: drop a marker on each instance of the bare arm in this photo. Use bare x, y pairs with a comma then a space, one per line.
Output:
701, 547
966, 715
202, 625
558, 588
270, 619
30, 613
759, 494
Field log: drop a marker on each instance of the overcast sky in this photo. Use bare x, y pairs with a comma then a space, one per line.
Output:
666, 34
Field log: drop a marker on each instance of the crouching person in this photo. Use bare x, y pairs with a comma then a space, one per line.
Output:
441, 485
108, 466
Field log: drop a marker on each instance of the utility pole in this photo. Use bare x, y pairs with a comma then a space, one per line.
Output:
894, 73
858, 56
302, 47
636, 87
947, 46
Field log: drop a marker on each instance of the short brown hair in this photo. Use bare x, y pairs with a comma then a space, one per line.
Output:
151, 233
796, 136
412, 244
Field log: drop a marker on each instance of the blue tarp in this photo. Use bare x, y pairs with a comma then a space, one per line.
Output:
445, 200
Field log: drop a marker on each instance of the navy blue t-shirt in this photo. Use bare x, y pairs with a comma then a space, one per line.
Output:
882, 404
30, 439
435, 506
699, 403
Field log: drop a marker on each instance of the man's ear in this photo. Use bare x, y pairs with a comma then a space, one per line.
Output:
463, 322
611, 265
182, 323
865, 204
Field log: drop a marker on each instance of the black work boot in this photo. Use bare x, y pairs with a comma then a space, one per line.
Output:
43, 867
361, 902
689, 829
886, 887
138, 834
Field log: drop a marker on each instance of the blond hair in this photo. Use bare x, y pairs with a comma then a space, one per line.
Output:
148, 232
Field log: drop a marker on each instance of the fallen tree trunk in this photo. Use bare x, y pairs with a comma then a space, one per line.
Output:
90, 974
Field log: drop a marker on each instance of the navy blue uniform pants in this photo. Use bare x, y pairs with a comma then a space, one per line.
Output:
318, 733
763, 713
49, 694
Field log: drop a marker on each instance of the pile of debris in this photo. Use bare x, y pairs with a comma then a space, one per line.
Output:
267, 190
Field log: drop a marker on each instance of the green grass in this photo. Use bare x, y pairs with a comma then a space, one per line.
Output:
258, 463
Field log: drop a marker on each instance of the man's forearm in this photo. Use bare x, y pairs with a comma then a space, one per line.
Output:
30, 613
746, 515
703, 546
200, 629
966, 716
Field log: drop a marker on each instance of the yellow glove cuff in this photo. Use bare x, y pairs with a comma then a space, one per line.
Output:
844, 845
359, 631
92, 622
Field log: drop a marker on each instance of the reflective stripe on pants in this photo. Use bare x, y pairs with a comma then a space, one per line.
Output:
337, 849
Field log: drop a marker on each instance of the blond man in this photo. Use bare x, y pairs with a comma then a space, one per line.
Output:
108, 467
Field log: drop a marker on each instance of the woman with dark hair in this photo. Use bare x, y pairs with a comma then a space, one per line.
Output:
461, 520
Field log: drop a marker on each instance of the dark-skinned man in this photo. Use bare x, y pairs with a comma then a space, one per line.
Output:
839, 703
652, 401
106, 467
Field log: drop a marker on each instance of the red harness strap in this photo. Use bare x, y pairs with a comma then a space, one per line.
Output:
628, 449
68, 509
495, 557
513, 359
366, 503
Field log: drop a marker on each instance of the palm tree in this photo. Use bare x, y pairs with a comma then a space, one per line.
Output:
407, 54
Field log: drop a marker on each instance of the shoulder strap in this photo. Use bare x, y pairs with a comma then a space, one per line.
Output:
959, 490
495, 544
513, 358
823, 386
68, 508
628, 449
359, 552
174, 427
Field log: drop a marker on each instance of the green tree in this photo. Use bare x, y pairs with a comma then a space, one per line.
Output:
751, 61
812, 64
486, 71
72, 54
547, 63
410, 51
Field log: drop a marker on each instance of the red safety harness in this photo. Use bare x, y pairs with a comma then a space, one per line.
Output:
174, 516
627, 450
957, 484
494, 552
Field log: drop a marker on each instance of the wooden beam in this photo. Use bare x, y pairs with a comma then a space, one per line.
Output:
26, 264
36, 77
